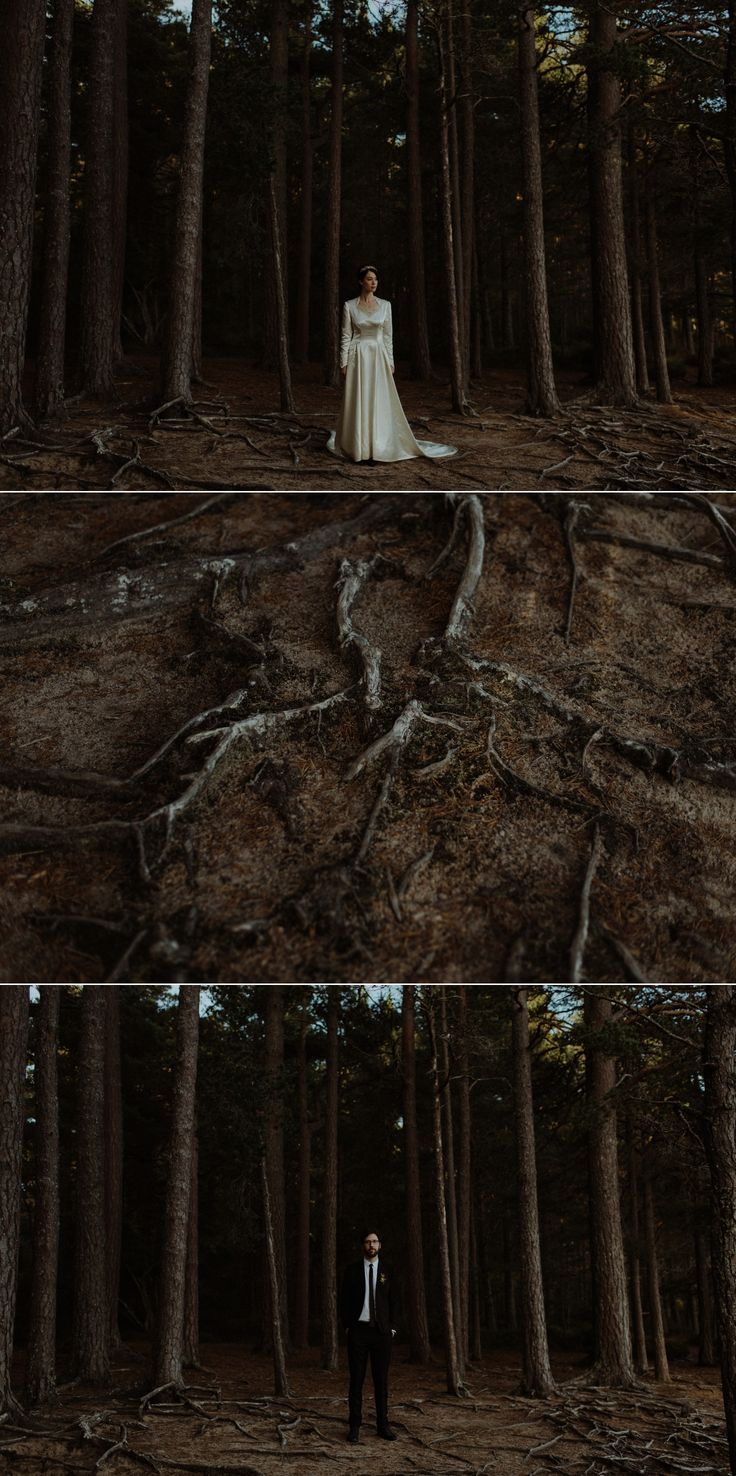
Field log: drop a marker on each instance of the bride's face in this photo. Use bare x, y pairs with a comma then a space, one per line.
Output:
369, 282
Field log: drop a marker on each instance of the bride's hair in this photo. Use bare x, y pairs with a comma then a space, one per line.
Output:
363, 272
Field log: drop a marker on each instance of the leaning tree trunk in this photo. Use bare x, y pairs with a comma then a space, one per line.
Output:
176, 364
273, 1134
640, 1342
419, 1346
98, 341
91, 1330
170, 1330
611, 1313
329, 1196
305, 235
541, 392
536, 1370
457, 376
300, 1337
659, 347
611, 315
720, 1121
420, 357
455, 1383
334, 196
13, 1043
661, 1366
50, 375
113, 1159
21, 63
191, 1286
41, 1357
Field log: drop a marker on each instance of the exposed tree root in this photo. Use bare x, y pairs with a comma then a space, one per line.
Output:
580, 938
351, 581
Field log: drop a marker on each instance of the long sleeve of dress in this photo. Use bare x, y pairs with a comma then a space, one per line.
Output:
345, 335
388, 335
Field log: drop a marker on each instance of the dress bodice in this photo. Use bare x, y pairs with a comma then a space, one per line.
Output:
359, 326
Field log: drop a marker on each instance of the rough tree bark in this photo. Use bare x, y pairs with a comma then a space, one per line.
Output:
616, 380
277, 144
50, 376
306, 187
659, 347
729, 138
40, 1382
169, 1356
455, 1383
113, 1159
191, 1281
467, 185
119, 171
613, 1361
457, 375
536, 1370
420, 356
176, 365
91, 1328
454, 144
13, 1044
464, 1179
273, 1139
329, 1195
661, 1366
419, 1345
300, 1336
21, 62
450, 1180
720, 1123
640, 1342
275, 1294
98, 338
278, 266
541, 392
334, 191
635, 261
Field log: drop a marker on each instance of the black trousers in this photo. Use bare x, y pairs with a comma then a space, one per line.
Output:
366, 1342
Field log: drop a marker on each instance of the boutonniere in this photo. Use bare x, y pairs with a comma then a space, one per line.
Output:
382, 1279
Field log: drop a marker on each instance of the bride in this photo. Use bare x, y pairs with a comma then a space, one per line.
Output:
372, 424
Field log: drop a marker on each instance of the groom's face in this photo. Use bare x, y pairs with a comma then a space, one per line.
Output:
371, 1247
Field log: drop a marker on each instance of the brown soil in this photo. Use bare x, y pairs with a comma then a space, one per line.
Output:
691, 444
232, 1423
103, 659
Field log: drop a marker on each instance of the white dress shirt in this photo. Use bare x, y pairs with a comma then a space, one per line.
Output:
365, 1315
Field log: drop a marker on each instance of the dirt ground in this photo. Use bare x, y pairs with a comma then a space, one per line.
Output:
230, 1422
535, 771
237, 439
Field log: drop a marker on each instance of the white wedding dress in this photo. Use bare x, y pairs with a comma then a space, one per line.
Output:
372, 424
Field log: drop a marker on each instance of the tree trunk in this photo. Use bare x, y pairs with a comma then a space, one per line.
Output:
196, 369
467, 204
91, 1333
635, 264
450, 1180
509, 1275
464, 1185
329, 1196
305, 239
702, 303
419, 1346
661, 371
457, 220
21, 64
190, 1357
541, 392
476, 1346
13, 1045
176, 364
454, 1373
729, 141
661, 1366
537, 1378
273, 1137
41, 1359
707, 1348
275, 1290
119, 171
279, 278
98, 340
457, 377
301, 1298
614, 1365
720, 1122
170, 1332
611, 315
420, 356
640, 1342
113, 1159
278, 137
50, 374
334, 197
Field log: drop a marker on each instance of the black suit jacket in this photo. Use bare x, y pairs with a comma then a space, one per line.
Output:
352, 1296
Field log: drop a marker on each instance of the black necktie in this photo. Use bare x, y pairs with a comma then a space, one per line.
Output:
371, 1297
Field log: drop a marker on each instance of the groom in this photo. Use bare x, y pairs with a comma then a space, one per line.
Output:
368, 1312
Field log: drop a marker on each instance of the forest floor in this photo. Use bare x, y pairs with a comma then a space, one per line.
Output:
196, 787
229, 1422
236, 439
